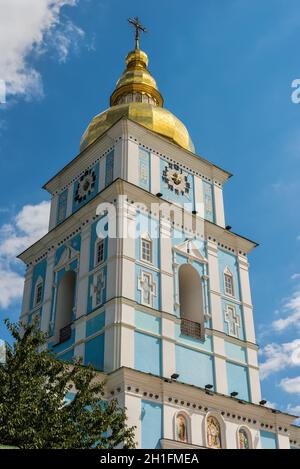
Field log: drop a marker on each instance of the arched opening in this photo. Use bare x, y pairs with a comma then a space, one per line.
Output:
182, 428
213, 433
191, 302
244, 438
65, 305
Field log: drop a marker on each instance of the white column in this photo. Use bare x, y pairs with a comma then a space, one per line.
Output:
133, 406
70, 200
27, 291
112, 343
254, 380
246, 299
118, 159
168, 426
214, 283
48, 292
197, 429
83, 277
133, 162
231, 435
219, 205
53, 212
220, 365
199, 202
101, 184
283, 441
127, 336
155, 174
167, 294
168, 347
127, 221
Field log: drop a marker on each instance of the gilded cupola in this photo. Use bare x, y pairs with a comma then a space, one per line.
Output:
137, 97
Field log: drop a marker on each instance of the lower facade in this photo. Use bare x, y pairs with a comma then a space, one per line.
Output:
172, 415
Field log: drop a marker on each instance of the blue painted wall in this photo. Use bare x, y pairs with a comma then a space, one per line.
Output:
62, 206
144, 169
194, 367
205, 345
95, 324
268, 440
235, 352
94, 352
147, 322
152, 424
209, 203
147, 353
238, 380
68, 356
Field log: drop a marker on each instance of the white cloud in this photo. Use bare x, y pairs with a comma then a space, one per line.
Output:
292, 310
279, 357
293, 409
29, 225
271, 405
295, 276
291, 385
32, 26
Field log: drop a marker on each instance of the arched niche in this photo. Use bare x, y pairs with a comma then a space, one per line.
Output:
191, 301
65, 301
244, 439
214, 434
182, 427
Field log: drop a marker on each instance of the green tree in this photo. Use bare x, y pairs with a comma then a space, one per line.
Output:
33, 410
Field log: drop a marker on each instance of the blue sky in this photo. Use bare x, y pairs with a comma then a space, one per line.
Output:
225, 68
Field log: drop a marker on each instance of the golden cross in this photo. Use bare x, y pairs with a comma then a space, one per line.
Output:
138, 27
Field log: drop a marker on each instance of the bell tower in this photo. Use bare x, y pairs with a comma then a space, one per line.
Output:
139, 276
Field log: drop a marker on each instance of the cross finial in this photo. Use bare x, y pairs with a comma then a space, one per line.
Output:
138, 27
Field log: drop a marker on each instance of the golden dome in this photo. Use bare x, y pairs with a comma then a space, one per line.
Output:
137, 97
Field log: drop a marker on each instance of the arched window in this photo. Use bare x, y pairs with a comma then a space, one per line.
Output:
146, 248
213, 433
38, 294
244, 439
65, 305
228, 282
181, 428
191, 302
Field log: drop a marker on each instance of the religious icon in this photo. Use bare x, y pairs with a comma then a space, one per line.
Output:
213, 433
181, 428
243, 439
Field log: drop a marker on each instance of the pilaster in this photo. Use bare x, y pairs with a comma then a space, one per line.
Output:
46, 311
83, 278
214, 283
